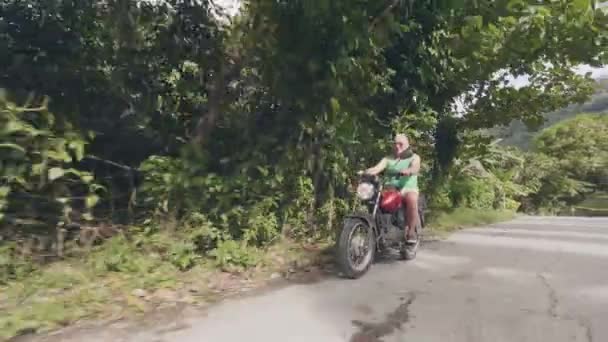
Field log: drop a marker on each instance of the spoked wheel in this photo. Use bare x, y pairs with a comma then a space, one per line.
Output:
356, 248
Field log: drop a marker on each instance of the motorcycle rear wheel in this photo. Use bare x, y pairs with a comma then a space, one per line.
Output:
349, 243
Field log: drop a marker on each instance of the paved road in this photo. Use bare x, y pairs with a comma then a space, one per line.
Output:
533, 279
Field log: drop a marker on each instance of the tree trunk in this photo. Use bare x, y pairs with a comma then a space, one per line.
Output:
207, 121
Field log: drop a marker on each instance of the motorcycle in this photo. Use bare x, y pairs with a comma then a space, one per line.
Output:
367, 234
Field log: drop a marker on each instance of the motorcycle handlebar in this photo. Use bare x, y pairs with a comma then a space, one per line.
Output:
364, 176
376, 177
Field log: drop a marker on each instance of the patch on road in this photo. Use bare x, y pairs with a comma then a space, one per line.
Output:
463, 276
374, 332
364, 309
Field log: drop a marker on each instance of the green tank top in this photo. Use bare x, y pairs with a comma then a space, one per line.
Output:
395, 179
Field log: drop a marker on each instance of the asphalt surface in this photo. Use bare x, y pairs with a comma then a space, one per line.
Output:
532, 279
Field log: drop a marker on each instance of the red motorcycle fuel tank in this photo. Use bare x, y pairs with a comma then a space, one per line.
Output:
390, 201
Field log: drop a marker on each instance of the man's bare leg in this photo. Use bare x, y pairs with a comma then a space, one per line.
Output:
410, 200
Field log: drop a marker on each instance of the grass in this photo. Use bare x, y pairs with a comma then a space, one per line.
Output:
55, 296
65, 292
594, 205
443, 222
109, 282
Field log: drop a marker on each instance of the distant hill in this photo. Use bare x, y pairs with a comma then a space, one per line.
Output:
517, 134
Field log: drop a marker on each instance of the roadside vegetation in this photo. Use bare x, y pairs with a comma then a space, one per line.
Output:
155, 152
594, 205
448, 221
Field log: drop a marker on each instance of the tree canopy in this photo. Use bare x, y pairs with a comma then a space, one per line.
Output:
581, 145
286, 98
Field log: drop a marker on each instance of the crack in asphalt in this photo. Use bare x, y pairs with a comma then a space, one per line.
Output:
374, 332
553, 300
585, 324
553, 312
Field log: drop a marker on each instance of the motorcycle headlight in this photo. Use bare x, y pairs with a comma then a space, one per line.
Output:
365, 191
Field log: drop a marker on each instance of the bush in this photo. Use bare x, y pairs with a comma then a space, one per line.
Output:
298, 213
146, 262
512, 204
470, 192
235, 206
163, 189
182, 254
230, 254
201, 231
463, 217
178, 249
262, 224
12, 266
120, 255
441, 198
38, 178
331, 214
549, 185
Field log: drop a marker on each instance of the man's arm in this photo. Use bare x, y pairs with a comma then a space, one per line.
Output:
377, 169
414, 168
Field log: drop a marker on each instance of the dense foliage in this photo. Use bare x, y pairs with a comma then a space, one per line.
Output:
256, 124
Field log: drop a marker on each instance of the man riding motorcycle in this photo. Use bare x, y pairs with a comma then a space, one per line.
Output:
402, 170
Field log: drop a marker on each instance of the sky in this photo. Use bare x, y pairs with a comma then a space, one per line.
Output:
581, 69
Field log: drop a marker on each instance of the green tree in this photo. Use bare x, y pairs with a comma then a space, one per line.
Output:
299, 92
580, 145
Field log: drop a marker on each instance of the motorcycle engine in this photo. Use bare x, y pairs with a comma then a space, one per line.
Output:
399, 219
393, 226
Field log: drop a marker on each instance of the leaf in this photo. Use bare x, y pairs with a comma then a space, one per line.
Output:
13, 147
91, 200
97, 187
72, 171
4, 191
77, 147
515, 4
335, 105
38, 169
581, 5
55, 173
59, 155
263, 171
333, 69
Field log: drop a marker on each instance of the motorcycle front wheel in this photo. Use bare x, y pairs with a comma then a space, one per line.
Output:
356, 248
